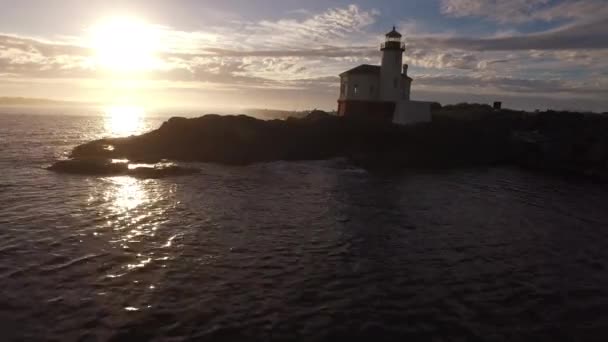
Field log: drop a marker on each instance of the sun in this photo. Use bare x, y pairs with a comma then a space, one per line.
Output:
125, 44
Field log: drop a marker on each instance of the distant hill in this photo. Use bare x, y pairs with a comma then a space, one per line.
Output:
26, 101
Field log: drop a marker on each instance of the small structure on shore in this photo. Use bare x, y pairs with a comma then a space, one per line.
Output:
382, 91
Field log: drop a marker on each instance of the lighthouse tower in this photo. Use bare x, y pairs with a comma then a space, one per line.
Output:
391, 80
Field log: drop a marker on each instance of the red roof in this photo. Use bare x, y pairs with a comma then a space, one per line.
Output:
364, 69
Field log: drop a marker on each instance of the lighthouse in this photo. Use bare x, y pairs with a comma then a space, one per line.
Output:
382, 92
392, 81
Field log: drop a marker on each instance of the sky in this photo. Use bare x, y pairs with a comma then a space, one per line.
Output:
529, 54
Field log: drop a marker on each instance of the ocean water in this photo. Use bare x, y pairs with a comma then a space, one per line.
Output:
308, 251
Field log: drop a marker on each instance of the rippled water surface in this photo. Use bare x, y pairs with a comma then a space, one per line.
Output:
291, 251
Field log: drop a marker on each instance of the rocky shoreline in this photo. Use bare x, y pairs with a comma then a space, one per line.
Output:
111, 167
462, 135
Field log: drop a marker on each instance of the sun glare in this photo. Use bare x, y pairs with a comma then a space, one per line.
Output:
124, 121
125, 44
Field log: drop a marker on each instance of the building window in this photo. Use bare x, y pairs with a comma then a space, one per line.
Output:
371, 90
396, 82
342, 88
356, 89
397, 60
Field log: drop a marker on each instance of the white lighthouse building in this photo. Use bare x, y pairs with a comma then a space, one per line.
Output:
382, 91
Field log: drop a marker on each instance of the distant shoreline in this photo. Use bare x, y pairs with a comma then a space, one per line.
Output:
27, 101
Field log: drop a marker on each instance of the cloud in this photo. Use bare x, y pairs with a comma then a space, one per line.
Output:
441, 59
304, 52
42, 47
334, 27
588, 35
586, 28
300, 11
581, 24
324, 51
573, 9
23, 56
520, 11
499, 10
26, 58
480, 83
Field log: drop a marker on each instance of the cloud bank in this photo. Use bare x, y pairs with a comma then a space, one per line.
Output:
304, 52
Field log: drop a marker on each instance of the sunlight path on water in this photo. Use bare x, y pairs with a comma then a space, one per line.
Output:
122, 121
133, 213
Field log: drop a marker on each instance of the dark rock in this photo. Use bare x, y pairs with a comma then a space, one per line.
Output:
242, 140
90, 166
460, 135
161, 172
109, 167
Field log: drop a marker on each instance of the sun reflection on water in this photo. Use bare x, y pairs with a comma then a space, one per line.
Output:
133, 217
121, 121
127, 194
132, 223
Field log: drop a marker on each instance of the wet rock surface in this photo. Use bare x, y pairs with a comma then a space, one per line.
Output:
110, 167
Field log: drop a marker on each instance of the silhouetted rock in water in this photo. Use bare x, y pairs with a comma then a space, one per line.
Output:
557, 142
109, 167
242, 140
161, 171
461, 135
90, 166
222, 139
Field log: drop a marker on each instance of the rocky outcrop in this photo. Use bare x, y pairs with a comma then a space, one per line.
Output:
239, 140
90, 166
463, 135
566, 143
109, 167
